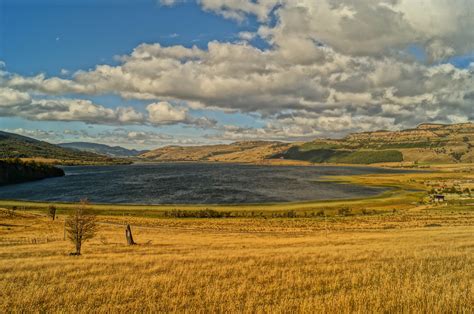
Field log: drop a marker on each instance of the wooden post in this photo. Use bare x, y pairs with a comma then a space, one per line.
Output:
129, 236
326, 224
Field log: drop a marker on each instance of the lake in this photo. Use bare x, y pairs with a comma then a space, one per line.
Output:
194, 183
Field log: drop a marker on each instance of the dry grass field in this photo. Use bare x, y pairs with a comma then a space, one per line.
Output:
414, 261
395, 253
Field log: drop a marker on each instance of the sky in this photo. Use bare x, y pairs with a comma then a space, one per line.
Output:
149, 73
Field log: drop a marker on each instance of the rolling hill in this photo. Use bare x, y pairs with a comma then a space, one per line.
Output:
250, 152
18, 146
428, 143
112, 151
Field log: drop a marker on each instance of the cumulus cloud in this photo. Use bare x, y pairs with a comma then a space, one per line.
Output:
238, 9
21, 104
10, 98
168, 3
365, 27
247, 35
117, 136
36, 133
164, 113
143, 139
244, 78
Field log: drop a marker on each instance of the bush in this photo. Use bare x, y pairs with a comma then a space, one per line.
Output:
321, 213
11, 211
205, 213
52, 211
344, 211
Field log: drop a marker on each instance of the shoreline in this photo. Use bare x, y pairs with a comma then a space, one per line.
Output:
391, 197
340, 179
407, 190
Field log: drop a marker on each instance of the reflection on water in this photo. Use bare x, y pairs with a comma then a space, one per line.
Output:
192, 183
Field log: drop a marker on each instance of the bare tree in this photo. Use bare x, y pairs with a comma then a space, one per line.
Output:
52, 211
80, 226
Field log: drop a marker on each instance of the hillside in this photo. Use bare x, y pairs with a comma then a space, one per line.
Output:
236, 152
112, 151
15, 171
17, 146
428, 143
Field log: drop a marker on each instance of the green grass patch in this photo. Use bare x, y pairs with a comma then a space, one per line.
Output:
342, 156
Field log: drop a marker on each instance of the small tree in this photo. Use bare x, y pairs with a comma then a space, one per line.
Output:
80, 226
11, 211
52, 211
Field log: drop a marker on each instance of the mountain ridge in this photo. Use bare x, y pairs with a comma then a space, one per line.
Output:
103, 149
18, 146
428, 142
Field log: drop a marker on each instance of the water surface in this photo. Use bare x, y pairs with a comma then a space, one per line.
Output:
194, 183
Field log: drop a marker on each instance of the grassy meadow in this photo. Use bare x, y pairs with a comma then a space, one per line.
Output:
392, 253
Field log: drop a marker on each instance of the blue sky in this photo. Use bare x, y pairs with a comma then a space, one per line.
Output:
46, 36
58, 38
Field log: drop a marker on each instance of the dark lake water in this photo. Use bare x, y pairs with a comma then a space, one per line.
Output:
189, 183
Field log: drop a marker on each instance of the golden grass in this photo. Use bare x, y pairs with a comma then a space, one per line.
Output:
417, 258
383, 263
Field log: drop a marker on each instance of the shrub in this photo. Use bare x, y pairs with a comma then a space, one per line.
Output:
344, 211
52, 211
11, 211
205, 213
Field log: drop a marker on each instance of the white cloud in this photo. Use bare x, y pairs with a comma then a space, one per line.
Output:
10, 98
21, 104
36, 133
164, 113
365, 27
167, 2
238, 9
247, 35
141, 139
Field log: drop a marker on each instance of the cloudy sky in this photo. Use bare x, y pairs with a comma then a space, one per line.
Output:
147, 73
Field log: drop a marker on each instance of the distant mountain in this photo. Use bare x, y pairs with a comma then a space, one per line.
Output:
112, 151
18, 146
428, 143
249, 152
